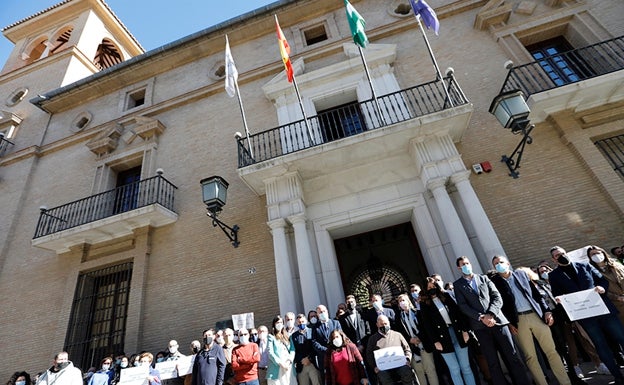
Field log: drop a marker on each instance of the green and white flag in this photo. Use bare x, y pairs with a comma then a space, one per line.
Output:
357, 24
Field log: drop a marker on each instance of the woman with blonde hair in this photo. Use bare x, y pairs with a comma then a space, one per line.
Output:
613, 271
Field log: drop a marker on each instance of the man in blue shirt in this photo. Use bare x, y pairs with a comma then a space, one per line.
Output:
209, 365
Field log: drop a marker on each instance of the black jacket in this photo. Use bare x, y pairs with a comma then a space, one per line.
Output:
435, 327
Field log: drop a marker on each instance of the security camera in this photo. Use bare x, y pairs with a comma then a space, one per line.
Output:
238, 135
508, 65
450, 71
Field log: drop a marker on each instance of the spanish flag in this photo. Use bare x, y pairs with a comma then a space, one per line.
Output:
284, 51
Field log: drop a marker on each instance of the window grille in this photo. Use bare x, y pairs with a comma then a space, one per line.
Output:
613, 149
98, 318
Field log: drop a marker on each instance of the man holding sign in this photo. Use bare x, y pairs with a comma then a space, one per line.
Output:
570, 278
389, 354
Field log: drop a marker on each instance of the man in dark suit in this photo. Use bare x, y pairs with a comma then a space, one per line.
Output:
375, 311
570, 277
481, 302
354, 325
529, 318
320, 335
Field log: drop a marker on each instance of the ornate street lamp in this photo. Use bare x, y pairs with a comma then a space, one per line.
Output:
512, 111
214, 194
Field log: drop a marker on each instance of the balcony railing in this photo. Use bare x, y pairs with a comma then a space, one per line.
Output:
5, 144
567, 67
132, 196
350, 119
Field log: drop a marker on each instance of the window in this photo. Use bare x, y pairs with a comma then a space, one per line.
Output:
16, 96
613, 149
127, 191
61, 40
315, 34
341, 121
136, 99
98, 318
561, 65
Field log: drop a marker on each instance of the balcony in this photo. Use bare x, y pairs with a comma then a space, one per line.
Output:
354, 133
108, 215
586, 77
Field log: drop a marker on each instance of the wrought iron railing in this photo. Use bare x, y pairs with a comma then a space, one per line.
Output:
349, 120
567, 67
5, 144
129, 197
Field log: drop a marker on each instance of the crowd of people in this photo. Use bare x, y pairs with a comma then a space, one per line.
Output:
509, 325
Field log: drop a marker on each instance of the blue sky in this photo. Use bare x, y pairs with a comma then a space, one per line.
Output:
152, 22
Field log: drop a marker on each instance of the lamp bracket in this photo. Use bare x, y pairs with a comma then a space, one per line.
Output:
230, 232
514, 164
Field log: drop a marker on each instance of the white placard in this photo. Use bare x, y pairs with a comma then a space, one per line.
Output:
185, 365
167, 369
134, 376
243, 321
390, 358
583, 304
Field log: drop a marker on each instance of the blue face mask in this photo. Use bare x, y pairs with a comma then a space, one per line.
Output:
302, 326
502, 268
466, 269
415, 295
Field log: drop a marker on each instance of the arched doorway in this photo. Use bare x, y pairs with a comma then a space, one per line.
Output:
384, 261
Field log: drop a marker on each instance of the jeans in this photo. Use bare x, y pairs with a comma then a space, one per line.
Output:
599, 329
458, 362
250, 382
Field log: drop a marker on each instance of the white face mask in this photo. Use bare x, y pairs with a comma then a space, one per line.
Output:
104, 367
279, 326
403, 305
545, 276
123, 364
337, 341
262, 336
173, 350
313, 320
290, 324
598, 258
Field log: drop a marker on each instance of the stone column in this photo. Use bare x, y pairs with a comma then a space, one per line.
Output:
285, 288
332, 280
307, 274
452, 223
436, 260
480, 222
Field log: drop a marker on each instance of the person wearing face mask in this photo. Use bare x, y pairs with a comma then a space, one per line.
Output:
262, 342
153, 375
62, 372
173, 354
415, 295
409, 325
105, 375
312, 318
117, 368
194, 348
320, 335
376, 309
280, 370
384, 338
343, 361
289, 323
447, 329
353, 324
570, 277
20, 378
305, 357
245, 358
613, 271
529, 318
209, 363
228, 346
481, 302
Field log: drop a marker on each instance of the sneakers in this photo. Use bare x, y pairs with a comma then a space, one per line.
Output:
579, 371
602, 369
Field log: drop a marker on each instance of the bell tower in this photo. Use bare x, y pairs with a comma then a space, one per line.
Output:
70, 40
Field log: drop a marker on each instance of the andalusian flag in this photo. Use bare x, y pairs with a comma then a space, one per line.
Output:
284, 51
357, 24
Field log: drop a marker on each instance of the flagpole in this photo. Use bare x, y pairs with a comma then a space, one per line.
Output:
240, 104
370, 82
435, 63
305, 117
